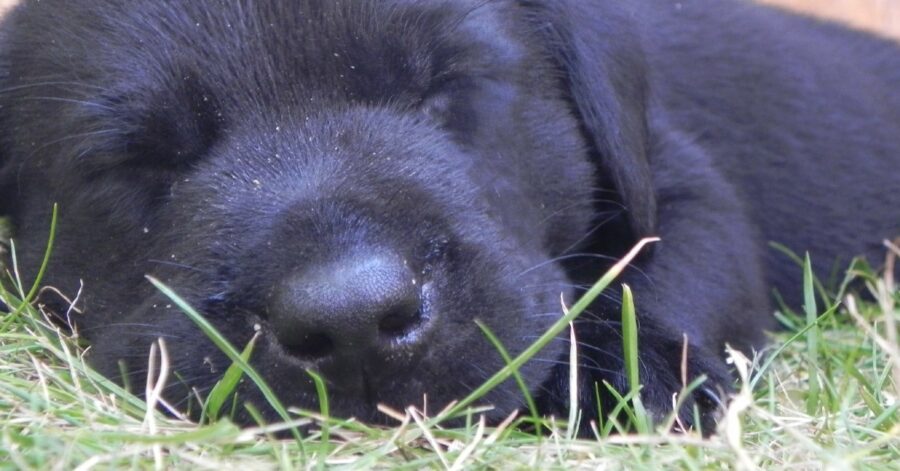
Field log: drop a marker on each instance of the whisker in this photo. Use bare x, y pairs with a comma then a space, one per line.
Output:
89, 104
593, 367
83, 135
562, 258
51, 84
177, 265
584, 203
593, 230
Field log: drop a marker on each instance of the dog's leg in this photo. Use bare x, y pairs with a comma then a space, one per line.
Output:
702, 287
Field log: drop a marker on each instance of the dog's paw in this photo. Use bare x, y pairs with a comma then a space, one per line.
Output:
682, 384
684, 380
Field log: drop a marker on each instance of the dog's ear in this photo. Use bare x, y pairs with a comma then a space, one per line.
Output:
603, 70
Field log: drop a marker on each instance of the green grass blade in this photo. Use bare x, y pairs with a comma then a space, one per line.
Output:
773, 357
549, 335
225, 346
601, 418
532, 407
812, 337
574, 412
630, 339
630, 355
823, 293
325, 411
624, 404
46, 261
321, 392
226, 386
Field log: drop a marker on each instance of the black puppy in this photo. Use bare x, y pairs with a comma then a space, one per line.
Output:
361, 180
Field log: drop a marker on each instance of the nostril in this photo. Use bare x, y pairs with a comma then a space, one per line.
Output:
311, 346
399, 323
350, 309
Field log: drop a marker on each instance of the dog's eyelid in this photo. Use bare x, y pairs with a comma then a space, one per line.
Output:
444, 90
436, 106
453, 78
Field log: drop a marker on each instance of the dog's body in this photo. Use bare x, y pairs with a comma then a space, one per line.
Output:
361, 180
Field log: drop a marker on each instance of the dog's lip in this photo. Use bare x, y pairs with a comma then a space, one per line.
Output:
336, 374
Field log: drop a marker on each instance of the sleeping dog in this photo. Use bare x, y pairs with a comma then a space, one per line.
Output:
358, 182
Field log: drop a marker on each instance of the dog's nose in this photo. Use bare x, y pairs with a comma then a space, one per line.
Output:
360, 309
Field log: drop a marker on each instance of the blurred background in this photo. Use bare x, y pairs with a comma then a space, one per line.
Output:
882, 16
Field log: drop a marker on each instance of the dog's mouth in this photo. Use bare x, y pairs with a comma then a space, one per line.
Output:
427, 369
366, 376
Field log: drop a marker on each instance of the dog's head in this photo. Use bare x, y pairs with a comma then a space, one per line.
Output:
357, 182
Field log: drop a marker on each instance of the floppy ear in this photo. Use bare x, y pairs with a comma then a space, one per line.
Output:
604, 75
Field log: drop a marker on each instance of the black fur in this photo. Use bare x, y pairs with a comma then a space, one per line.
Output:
261, 157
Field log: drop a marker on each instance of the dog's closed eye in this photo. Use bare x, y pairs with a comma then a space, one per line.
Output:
167, 129
450, 103
438, 106
175, 132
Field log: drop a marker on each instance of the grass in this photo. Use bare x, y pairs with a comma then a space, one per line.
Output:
827, 397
